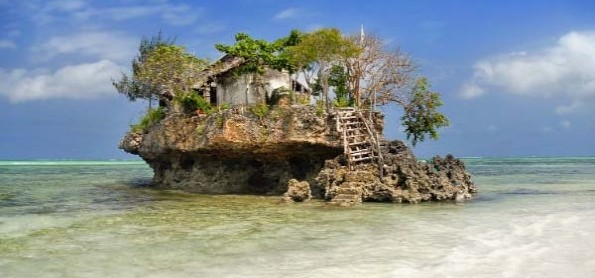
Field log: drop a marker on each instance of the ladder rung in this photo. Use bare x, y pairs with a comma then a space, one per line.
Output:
358, 143
361, 152
361, 159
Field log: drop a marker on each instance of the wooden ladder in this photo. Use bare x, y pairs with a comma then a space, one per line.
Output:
360, 138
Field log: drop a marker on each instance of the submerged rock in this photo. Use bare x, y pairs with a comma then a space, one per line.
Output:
297, 191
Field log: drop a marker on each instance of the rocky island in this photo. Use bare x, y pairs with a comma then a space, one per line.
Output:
238, 152
246, 126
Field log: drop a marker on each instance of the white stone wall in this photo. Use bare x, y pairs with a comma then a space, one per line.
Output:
274, 79
232, 89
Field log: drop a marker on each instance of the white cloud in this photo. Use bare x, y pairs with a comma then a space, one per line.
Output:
570, 108
88, 80
66, 5
7, 44
97, 44
45, 12
287, 14
180, 15
565, 124
565, 70
86, 12
470, 90
170, 13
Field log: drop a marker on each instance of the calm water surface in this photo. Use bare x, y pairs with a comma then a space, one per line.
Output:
534, 217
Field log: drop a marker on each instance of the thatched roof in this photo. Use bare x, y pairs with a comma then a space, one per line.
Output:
221, 66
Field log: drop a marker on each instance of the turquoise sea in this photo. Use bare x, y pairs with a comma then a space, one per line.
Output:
533, 217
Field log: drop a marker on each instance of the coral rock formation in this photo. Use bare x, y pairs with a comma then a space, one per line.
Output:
297, 191
237, 151
405, 179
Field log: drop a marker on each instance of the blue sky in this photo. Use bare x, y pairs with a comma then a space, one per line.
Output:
517, 77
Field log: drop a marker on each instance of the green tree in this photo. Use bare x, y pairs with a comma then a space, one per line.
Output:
170, 69
132, 87
421, 116
259, 54
338, 81
317, 52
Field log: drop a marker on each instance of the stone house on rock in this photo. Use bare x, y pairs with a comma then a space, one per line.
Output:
218, 84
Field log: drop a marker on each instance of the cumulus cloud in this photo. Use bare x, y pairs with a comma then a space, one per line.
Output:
287, 14
7, 44
98, 44
82, 81
172, 14
471, 90
83, 11
568, 109
565, 70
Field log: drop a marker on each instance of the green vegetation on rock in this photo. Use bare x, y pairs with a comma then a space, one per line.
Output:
340, 70
260, 110
151, 117
192, 102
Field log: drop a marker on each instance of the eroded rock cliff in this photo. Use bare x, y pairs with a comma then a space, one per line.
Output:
236, 151
403, 179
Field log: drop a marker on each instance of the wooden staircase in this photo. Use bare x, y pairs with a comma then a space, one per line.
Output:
360, 138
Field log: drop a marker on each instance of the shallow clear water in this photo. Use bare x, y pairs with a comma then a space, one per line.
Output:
534, 217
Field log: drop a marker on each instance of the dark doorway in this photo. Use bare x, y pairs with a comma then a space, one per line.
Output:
213, 96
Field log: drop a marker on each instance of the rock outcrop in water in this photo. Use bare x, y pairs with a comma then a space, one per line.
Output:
404, 179
236, 151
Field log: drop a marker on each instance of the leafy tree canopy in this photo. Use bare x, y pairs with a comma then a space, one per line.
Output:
129, 85
315, 55
259, 53
171, 69
421, 116
338, 80
159, 70
325, 45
